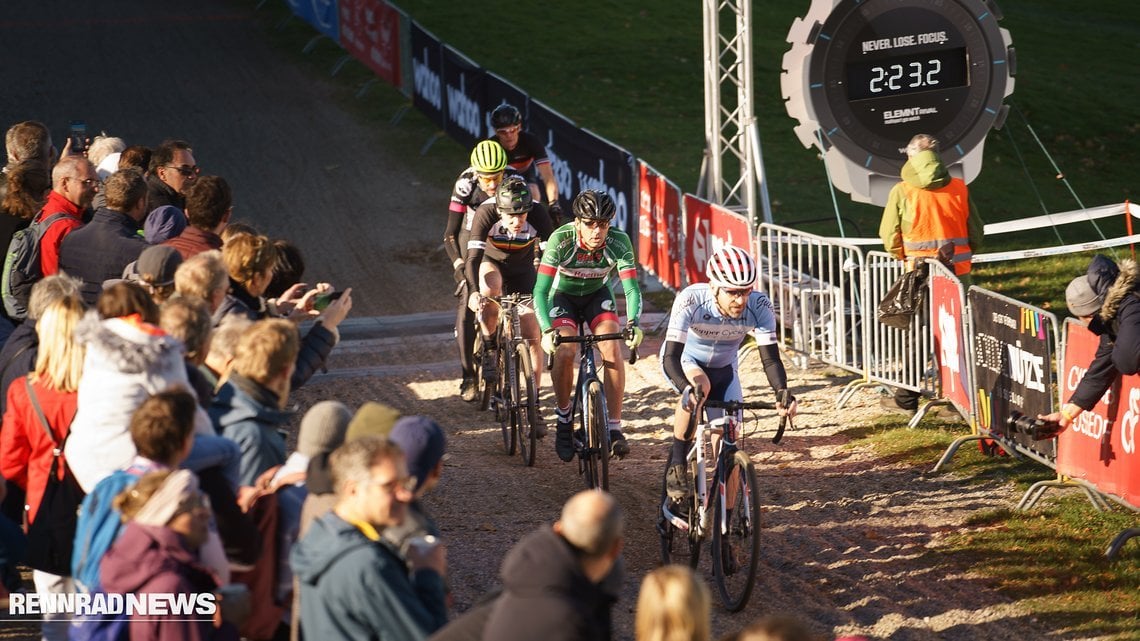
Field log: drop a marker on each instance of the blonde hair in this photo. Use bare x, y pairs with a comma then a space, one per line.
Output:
266, 350
248, 256
674, 605
59, 361
131, 500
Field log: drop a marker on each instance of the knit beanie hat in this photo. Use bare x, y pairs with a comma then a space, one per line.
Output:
372, 419
323, 428
423, 443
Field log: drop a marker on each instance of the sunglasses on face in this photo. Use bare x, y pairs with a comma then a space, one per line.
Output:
596, 224
508, 130
738, 293
186, 170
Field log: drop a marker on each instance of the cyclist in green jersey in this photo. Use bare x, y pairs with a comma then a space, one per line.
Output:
572, 288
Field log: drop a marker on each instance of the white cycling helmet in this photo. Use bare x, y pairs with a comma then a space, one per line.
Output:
732, 267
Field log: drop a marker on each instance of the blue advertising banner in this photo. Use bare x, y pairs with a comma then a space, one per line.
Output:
427, 75
322, 14
463, 82
583, 160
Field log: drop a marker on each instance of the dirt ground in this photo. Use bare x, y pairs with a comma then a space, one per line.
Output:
844, 534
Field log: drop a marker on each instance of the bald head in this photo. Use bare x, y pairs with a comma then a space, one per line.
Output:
592, 522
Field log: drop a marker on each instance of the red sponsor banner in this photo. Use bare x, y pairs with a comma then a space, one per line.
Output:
659, 245
1100, 445
370, 31
709, 227
949, 338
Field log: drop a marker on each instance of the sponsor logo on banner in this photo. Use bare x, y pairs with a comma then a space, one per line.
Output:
426, 80
369, 31
462, 110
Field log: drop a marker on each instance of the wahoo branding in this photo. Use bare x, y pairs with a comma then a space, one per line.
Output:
426, 81
586, 181
462, 110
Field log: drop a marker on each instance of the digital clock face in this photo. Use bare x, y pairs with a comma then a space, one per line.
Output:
881, 71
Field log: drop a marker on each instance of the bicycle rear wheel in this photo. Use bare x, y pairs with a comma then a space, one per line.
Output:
736, 546
526, 406
597, 452
506, 400
673, 550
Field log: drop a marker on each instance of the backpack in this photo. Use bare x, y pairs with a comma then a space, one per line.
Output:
22, 265
98, 527
52, 534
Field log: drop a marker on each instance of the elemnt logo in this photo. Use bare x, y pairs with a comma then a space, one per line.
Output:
426, 81
201, 605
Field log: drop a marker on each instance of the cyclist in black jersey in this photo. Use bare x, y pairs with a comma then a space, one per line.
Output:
502, 253
475, 185
527, 155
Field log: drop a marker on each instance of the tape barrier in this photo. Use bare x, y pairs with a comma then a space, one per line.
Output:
659, 228
370, 32
1100, 446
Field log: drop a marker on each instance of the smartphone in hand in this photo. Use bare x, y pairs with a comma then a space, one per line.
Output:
78, 134
321, 301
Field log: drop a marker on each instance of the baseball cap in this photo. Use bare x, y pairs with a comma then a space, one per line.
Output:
156, 265
1081, 298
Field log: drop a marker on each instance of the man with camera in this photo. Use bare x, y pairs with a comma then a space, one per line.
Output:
1105, 299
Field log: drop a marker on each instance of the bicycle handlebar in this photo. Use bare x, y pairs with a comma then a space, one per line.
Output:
593, 339
733, 406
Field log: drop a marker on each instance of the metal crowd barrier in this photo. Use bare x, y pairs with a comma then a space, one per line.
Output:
814, 284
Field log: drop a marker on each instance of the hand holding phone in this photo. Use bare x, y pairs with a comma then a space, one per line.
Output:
321, 301
78, 136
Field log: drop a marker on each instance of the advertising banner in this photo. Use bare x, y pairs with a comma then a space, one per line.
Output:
321, 14
583, 160
427, 75
370, 31
463, 98
1100, 445
709, 227
659, 240
949, 325
1012, 364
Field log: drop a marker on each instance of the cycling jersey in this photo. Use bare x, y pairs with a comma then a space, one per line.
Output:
568, 268
710, 338
526, 156
466, 196
513, 253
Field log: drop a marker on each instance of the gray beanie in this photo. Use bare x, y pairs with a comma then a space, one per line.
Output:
1081, 298
323, 428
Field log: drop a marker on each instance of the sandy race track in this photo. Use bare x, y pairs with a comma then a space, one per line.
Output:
847, 540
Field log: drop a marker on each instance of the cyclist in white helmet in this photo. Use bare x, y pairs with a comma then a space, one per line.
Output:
708, 323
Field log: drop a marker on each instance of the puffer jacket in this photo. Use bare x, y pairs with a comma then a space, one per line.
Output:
1118, 325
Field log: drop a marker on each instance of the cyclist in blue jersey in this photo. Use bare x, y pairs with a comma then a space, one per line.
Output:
708, 323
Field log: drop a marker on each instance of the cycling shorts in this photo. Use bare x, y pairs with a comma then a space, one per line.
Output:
518, 278
593, 308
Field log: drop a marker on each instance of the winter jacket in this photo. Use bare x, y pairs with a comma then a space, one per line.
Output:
127, 361
193, 241
53, 237
17, 358
547, 596
1118, 325
159, 194
149, 559
25, 449
247, 413
315, 344
355, 588
100, 250
926, 211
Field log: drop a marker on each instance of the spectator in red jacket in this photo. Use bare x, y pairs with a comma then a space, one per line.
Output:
73, 186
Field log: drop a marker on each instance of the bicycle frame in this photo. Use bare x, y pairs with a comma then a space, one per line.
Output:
724, 447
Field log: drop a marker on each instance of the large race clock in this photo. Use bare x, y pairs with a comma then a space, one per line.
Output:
864, 76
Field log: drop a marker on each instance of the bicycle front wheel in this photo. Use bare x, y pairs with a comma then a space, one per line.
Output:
507, 400
673, 550
597, 451
736, 541
484, 386
526, 407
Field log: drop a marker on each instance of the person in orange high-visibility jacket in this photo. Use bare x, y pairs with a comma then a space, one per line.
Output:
928, 213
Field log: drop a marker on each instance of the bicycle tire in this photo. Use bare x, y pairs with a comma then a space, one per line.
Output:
597, 438
735, 578
507, 401
526, 411
669, 534
484, 389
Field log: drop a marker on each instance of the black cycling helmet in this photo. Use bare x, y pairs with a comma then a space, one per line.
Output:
505, 116
513, 196
591, 204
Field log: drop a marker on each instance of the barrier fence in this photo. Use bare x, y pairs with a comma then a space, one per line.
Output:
826, 291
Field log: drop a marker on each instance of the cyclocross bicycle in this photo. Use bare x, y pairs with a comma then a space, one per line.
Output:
513, 394
724, 505
592, 439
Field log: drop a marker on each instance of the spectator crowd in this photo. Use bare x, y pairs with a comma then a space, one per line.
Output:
148, 349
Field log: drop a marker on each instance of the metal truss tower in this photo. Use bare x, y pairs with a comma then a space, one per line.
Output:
732, 172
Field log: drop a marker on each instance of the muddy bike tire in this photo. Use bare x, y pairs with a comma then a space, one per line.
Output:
525, 414
736, 551
507, 401
597, 451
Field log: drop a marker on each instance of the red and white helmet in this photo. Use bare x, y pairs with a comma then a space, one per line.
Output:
731, 267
